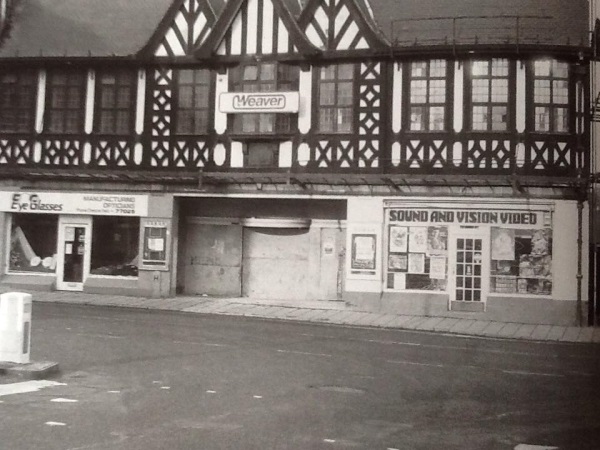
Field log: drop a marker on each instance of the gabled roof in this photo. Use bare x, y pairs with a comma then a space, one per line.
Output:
72, 28
438, 22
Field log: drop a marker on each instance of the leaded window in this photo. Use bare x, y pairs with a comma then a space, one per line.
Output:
551, 96
336, 98
192, 111
264, 77
490, 95
428, 95
17, 100
115, 101
65, 105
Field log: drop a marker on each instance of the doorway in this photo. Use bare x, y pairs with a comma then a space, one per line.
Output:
469, 267
73, 264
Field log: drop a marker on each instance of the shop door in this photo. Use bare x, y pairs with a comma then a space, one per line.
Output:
469, 267
73, 263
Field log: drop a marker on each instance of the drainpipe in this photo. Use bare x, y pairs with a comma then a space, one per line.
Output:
579, 258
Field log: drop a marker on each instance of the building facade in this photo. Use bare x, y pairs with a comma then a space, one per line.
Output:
426, 158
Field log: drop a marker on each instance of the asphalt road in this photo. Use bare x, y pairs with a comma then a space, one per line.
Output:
135, 379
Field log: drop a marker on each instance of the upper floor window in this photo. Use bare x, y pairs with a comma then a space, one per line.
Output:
65, 105
17, 101
489, 95
192, 100
551, 96
428, 95
336, 97
264, 77
115, 101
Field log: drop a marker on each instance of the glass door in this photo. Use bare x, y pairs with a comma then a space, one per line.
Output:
73, 253
470, 267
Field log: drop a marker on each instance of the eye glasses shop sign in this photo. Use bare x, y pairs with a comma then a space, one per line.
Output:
258, 102
74, 203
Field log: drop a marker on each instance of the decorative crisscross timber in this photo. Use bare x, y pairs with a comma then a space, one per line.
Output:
16, 151
548, 155
162, 94
190, 154
188, 30
488, 154
61, 153
369, 105
113, 153
333, 26
333, 154
426, 154
159, 154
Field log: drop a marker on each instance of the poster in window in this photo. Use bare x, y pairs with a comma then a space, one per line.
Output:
416, 263
437, 267
398, 262
437, 240
398, 239
417, 240
503, 244
400, 281
363, 251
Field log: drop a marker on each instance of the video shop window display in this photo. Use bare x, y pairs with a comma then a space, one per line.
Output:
115, 246
521, 261
417, 258
33, 240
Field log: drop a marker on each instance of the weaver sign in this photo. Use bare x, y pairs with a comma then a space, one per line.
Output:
258, 102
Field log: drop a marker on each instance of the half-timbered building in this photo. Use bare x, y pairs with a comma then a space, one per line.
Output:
419, 157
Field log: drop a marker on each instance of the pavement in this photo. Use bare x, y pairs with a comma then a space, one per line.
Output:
331, 313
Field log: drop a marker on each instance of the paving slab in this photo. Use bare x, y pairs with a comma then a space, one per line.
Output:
478, 327
383, 321
493, 328
462, 326
540, 332
586, 335
571, 334
412, 323
429, 324
524, 331
398, 321
446, 324
509, 330
556, 333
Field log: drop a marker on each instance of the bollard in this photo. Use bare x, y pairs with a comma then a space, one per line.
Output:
15, 327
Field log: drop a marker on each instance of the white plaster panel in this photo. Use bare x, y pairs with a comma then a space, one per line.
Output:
397, 99
365, 210
237, 154
305, 87
521, 102
141, 104
459, 79
220, 118
41, 102
267, 28
236, 36
89, 102
282, 37
285, 154
252, 28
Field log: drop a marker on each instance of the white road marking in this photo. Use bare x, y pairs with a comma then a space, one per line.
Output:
64, 400
208, 344
166, 388
330, 441
415, 363
211, 392
56, 424
258, 396
156, 382
27, 386
114, 392
534, 447
103, 336
304, 353
535, 374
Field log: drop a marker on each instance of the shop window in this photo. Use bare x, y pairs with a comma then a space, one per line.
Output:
490, 95
115, 101
336, 98
264, 77
428, 95
192, 100
551, 96
17, 101
115, 246
521, 261
417, 258
65, 104
33, 240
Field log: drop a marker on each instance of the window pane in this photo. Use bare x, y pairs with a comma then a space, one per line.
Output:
250, 73
107, 99
436, 118
480, 117
266, 122
346, 72
542, 68
106, 122
481, 91
480, 68
186, 97
58, 98
267, 72
560, 92
438, 68
115, 244
327, 94
124, 97
542, 118
416, 118
249, 123
499, 118
122, 123
33, 240
542, 91
500, 91
437, 91
186, 76
500, 67
560, 69
326, 119
328, 73
419, 69
344, 93
561, 124
418, 91
344, 120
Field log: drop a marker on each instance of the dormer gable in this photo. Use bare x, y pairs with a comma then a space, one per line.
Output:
256, 27
338, 25
183, 30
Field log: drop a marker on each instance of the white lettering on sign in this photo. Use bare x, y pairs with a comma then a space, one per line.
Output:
263, 102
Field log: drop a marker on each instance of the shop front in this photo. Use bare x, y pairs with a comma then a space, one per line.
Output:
489, 259
69, 240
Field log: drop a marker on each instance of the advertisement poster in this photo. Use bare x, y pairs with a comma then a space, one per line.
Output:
400, 281
398, 262
503, 244
363, 252
416, 263
399, 239
418, 240
437, 240
437, 267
